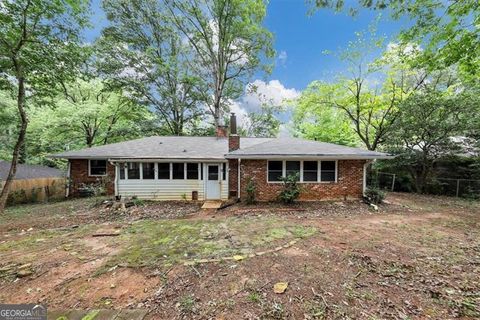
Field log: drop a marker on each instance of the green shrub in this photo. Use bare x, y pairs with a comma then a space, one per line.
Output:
374, 195
291, 189
251, 190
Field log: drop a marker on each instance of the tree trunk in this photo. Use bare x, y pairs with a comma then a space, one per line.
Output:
20, 140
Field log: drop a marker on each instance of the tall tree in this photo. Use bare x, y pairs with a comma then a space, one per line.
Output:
230, 44
315, 119
370, 92
448, 29
263, 123
38, 45
85, 115
143, 53
424, 130
8, 119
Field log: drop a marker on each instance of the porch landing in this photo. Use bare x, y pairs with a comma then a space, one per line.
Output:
212, 204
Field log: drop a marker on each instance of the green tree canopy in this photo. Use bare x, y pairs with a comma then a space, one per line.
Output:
39, 44
230, 43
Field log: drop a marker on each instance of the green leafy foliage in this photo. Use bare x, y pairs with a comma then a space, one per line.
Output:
425, 129
85, 115
251, 189
448, 29
230, 44
316, 119
143, 52
374, 195
291, 189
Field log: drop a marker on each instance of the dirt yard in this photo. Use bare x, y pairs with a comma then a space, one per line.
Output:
418, 257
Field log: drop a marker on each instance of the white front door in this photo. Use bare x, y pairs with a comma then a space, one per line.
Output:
213, 181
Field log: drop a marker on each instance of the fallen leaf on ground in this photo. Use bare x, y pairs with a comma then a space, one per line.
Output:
280, 287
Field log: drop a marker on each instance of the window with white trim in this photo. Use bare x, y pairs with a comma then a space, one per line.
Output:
311, 171
328, 171
192, 171
178, 170
275, 170
164, 170
121, 168
97, 167
292, 168
148, 170
133, 170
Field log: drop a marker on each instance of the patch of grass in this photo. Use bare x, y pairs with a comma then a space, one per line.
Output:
254, 297
315, 310
187, 304
150, 243
29, 241
51, 208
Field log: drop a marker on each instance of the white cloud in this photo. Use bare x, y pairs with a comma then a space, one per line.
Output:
282, 58
258, 93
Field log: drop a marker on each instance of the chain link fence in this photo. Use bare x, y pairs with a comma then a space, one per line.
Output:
468, 188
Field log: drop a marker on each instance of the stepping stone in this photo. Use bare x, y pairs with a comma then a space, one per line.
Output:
212, 204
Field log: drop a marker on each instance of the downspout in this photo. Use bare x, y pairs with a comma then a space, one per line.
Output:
238, 179
365, 166
69, 169
115, 181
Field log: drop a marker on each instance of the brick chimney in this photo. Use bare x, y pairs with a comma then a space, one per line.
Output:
233, 137
221, 131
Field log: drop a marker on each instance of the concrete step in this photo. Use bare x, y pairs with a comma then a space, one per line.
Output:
212, 204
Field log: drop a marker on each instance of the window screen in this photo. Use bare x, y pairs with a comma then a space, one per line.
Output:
310, 171
178, 170
328, 169
293, 168
148, 169
133, 170
213, 172
98, 167
275, 170
192, 171
121, 169
164, 171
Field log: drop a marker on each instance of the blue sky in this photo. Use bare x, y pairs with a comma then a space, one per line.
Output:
300, 41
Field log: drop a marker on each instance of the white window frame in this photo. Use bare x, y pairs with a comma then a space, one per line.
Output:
97, 175
319, 171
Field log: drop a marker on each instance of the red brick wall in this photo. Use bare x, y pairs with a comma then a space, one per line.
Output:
79, 175
233, 142
232, 177
349, 182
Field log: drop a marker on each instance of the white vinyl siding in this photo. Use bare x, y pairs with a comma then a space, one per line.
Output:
171, 188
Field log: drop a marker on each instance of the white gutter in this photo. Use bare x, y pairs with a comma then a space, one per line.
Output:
238, 179
367, 163
69, 169
115, 181
312, 157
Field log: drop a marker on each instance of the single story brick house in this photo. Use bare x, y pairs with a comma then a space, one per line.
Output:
204, 168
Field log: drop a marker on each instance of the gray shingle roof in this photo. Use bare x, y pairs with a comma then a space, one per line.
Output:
27, 171
161, 147
294, 147
174, 147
